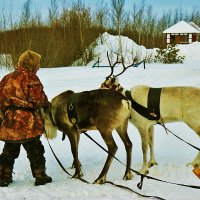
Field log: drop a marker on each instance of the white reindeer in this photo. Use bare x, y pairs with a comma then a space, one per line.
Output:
176, 104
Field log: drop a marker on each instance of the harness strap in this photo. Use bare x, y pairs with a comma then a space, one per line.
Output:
71, 108
154, 102
148, 112
167, 130
129, 189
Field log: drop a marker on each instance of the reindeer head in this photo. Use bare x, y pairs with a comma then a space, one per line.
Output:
111, 81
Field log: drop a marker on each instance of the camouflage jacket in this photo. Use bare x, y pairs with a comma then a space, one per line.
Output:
21, 96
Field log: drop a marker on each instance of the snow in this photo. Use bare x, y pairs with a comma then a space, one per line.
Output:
130, 50
181, 27
171, 154
190, 51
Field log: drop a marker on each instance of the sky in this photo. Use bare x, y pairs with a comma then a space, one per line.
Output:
159, 6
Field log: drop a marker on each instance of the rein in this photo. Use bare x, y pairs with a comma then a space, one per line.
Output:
61, 165
108, 182
140, 184
167, 130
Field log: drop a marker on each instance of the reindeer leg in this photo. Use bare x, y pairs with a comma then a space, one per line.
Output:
145, 142
152, 160
73, 164
128, 145
196, 162
112, 148
74, 139
194, 125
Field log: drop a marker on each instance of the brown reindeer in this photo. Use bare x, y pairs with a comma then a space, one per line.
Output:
102, 110
176, 104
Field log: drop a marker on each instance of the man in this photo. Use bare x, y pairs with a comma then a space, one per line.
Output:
21, 98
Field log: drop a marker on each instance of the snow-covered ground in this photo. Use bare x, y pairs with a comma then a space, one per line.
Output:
171, 154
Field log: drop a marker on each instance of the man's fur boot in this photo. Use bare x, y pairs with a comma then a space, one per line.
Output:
41, 178
5, 175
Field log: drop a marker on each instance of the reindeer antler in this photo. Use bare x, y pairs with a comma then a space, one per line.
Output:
111, 66
124, 67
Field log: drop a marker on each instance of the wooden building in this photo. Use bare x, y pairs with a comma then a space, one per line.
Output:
182, 33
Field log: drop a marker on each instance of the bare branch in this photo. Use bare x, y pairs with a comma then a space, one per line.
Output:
123, 64
111, 66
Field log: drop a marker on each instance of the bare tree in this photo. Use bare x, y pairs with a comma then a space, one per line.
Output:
195, 15
53, 12
26, 14
138, 19
149, 25
11, 15
118, 16
37, 18
101, 14
3, 19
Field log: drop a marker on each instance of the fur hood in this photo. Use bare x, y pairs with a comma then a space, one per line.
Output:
29, 60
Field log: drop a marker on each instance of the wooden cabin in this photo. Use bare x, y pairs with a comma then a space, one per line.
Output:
182, 33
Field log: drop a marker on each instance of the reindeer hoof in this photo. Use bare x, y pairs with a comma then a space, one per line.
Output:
194, 164
128, 176
144, 172
100, 180
78, 175
151, 164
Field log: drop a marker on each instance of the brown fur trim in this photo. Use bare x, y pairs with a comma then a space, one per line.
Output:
29, 60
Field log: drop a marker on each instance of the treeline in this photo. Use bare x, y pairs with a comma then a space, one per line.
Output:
70, 28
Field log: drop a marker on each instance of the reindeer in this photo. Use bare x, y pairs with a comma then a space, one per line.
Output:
102, 110
175, 104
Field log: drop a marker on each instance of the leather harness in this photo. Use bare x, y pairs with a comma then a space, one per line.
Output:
71, 108
152, 112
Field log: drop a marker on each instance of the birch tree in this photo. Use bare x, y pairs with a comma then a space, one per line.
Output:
118, 15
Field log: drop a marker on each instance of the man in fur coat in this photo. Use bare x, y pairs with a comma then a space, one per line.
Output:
21, 98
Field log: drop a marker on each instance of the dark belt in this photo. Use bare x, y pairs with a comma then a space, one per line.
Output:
20, 108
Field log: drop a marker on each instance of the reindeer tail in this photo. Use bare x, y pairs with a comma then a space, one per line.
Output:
127, 106
50, 129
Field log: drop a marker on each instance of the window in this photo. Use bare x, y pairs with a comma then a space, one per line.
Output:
173, 37
183, 38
